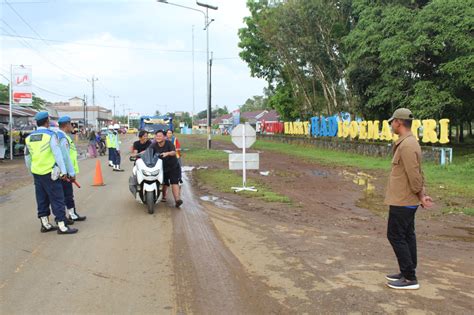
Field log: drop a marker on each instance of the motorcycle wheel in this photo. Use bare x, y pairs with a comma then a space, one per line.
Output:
150, 201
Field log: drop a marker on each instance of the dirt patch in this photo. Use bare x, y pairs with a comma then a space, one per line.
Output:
327, 251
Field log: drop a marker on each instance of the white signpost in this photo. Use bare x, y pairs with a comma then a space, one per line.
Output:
244, 136
20, 93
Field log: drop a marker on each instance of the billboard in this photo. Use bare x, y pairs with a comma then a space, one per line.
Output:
22, 93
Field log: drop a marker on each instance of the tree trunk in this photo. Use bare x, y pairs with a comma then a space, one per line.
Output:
461, 132
470, 128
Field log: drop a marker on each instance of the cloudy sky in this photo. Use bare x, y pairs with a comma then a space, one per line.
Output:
139, 50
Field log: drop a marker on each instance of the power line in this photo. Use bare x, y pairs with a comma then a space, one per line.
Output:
26, 44
103, 46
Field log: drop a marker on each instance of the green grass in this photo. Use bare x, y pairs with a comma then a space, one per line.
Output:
452, 182
466, 211
222, 180
203, 156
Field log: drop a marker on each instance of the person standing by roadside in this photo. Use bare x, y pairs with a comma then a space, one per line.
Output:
172, 170
69, 152
117, 149
92, 147
110, 143
44, 160
171, 137
405, 192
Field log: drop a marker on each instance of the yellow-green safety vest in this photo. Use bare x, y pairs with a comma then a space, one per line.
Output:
42, 157
73, 154
110, 141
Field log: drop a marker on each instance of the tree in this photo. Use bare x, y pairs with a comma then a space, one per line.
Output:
416, 54
4, 93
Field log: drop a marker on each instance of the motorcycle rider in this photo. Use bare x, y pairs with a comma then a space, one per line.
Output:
44, 160
172, 170
141, 144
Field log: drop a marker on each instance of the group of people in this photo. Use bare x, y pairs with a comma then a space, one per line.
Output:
51, 156
52, 159
168, 147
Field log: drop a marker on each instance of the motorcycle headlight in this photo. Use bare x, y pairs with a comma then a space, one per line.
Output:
154, 173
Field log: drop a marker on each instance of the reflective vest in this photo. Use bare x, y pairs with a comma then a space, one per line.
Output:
73, 154
110, 140
72, 150
178, 152
42, 157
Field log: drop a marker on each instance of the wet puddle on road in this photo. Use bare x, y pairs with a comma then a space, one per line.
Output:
209, 198
361, 179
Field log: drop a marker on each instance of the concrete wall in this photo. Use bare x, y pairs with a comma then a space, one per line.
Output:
376, 149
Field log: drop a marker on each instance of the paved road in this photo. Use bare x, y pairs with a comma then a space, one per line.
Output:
123, 260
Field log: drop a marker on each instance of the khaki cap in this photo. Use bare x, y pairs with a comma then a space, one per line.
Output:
401, 113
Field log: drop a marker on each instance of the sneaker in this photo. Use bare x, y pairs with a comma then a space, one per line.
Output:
404, 284
179, 203
394, 277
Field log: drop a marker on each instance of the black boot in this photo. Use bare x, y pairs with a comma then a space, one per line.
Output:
68, 221
64, 229
75, 216
46, 226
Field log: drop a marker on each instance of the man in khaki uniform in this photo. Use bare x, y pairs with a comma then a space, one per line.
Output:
405, 192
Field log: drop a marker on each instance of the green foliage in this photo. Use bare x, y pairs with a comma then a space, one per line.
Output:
366, 56
4, 91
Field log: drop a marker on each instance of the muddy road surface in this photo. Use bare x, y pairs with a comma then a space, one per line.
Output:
224, 254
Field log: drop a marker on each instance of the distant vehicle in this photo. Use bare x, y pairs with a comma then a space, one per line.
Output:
154, 123
132, 130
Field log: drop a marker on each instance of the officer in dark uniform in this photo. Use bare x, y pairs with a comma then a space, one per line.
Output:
69, 152
44, 160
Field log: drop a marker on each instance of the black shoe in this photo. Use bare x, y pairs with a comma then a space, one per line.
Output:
394, 277
69, 230
163, 199
179, 203
118, 170
77, 217
46, 230
404, 284
69, 221
80, 218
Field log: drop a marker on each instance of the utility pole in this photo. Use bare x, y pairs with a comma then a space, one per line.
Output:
11, 112
114, 97
209, 106
85, 110
93, 88
128, 115
192, 114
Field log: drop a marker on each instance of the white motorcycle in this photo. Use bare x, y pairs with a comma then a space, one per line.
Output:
146, 182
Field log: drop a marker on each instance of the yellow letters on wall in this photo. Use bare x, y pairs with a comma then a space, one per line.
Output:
345, 129
353, 129
415, 125
306, 128
373, 130
429, 131
386, 131
339, 129
444, 131
287, 128
363, 130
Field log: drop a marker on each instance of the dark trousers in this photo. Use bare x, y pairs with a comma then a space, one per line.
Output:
49, 193
68, 194
401, 235
114, 156
111, 155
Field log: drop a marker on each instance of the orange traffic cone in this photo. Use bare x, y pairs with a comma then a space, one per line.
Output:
98, 180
